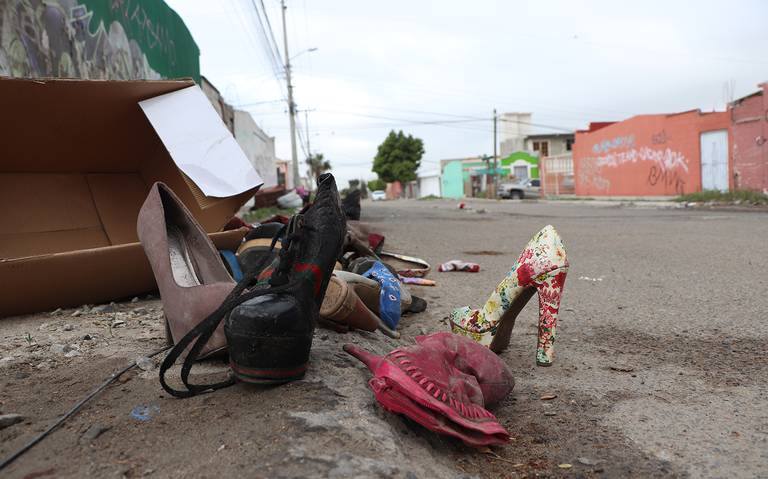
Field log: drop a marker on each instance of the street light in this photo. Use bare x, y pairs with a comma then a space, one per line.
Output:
308, 50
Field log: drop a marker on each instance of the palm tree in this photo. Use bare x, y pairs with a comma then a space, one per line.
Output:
317, 166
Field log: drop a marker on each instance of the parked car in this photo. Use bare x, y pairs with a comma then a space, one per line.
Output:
520, 189
378, 195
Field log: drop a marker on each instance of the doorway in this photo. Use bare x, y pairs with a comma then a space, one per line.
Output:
714, 160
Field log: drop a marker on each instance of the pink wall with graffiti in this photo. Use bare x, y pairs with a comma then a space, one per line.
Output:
646, 155
750, 135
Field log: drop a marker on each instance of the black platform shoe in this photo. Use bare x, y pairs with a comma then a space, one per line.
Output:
269, 320
351, 205
270, 336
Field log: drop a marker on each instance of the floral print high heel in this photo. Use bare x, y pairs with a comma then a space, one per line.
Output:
541, 268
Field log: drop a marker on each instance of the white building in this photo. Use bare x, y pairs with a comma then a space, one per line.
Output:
513, 129
257, 146
429, 184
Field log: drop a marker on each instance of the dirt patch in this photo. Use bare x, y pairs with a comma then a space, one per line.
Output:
720, 361
566, 430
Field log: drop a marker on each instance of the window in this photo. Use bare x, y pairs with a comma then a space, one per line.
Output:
542, 147
535, 183
569, 144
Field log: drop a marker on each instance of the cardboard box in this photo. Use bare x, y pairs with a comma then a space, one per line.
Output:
77, 159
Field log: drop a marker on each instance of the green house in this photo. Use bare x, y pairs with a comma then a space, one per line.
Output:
465, 177
522, 165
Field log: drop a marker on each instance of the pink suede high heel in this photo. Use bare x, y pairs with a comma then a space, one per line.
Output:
541, 268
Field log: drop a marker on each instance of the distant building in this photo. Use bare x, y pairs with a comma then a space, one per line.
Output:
513, 129
549, 144
654, 155
469, 177
285, 175
429, 184
224, 109
749, 129
425, 184
525, 154
257, 146
520, 165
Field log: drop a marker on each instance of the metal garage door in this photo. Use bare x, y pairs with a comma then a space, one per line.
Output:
714, 160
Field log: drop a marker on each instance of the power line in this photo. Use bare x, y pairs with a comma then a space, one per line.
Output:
447, 123
256, 103
253, 38
271, 32
248, 32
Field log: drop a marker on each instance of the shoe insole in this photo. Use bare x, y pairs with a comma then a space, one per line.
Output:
182, 268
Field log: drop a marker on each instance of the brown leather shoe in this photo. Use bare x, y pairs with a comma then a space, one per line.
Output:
342, 309
191, 278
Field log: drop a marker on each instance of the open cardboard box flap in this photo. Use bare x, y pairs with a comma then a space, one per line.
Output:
76, 162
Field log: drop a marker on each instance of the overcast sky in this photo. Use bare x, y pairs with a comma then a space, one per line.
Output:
399, 64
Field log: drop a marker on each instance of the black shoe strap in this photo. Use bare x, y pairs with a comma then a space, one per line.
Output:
201, 333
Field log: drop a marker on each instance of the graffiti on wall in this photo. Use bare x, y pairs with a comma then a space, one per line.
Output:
97, 39
660, 138
589, 175
668, 179
154, 34
54, 38
605, 146
666, 167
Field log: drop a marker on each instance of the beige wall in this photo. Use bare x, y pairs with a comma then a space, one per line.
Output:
224, 109
257, 146
557, 146
513, 128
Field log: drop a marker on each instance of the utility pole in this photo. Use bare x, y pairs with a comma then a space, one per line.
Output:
487, 160
495, 168
306, 126
291, 105
309, 151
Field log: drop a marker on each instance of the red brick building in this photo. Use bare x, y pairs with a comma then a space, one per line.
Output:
749, 130
654, 155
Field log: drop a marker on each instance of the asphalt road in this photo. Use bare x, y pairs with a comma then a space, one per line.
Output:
661, 364
678, 296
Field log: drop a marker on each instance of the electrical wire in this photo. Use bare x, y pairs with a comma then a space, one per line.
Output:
271, 49
238, 19
7, 461
269, 27
302, 141
457, 123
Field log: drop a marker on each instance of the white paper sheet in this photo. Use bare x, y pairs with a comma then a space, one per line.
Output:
199, 142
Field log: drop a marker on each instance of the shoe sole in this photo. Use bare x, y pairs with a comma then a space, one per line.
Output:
268, 376
268, 360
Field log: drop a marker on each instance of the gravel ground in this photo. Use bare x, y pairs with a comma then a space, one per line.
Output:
660, 371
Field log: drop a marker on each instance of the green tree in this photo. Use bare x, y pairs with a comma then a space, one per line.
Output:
398, 157
317, 166
377, 184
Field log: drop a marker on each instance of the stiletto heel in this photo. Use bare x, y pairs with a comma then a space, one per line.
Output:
550, 292
541, 268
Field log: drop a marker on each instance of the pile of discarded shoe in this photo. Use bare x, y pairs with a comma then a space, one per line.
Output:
324, 268
316, 270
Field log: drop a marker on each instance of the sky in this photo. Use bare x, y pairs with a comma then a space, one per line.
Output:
436, 69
